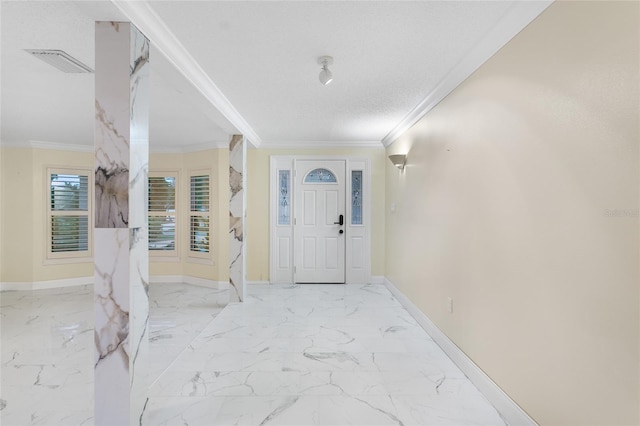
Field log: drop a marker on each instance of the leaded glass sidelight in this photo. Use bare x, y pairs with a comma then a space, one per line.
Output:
320, 176
284, 197
356, 197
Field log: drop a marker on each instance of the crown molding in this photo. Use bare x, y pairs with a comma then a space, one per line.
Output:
14, 144
517, 17
320, 144
57, 146
49, 145
61, 146
191, 148
156, 30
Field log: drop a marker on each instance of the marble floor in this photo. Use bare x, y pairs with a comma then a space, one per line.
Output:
290, 355
46, 347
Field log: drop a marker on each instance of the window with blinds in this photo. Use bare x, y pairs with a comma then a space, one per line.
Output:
162, 213
69, 213
199, 223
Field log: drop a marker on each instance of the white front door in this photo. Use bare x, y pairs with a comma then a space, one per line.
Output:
319, 221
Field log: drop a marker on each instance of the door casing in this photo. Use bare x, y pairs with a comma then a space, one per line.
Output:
358, 236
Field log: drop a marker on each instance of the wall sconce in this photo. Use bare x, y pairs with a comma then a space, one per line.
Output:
325, 76
398, 160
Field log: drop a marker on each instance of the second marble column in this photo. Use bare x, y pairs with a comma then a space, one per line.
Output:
237, 162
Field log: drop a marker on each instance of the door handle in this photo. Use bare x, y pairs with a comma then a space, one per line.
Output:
341, 221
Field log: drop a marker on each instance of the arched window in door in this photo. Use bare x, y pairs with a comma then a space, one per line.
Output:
320, 176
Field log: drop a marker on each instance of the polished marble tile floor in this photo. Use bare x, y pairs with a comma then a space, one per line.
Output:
46, 347
290, 355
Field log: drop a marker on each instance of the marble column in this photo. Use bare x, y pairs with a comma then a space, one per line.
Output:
237, 162
121, 264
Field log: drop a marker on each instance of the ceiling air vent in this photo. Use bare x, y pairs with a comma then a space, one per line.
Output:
61, 60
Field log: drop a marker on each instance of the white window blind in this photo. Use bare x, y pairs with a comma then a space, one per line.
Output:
162, 213
68, 213
199, 225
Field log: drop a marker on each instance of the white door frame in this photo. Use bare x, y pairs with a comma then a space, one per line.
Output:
281, 236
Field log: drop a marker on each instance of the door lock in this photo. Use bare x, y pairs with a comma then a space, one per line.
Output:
341, 231
340, 222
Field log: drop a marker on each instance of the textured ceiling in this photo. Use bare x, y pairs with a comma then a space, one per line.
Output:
42, 104
387, 57
261, 55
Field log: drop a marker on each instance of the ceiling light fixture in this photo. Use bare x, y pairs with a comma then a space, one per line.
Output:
325, 76
61, 60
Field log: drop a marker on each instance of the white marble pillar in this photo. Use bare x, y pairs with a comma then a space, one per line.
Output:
121, 262
237, 163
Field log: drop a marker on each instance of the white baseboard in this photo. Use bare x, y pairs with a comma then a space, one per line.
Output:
200, 282
43, 285
72, 282
377, 279
165, 279
512, 413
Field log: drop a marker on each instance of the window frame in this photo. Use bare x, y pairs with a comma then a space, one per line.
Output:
199, 256
52, 257
167, 255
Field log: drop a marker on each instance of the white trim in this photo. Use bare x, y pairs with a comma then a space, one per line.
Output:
167, 255
14, 144
206, 146
510, 411
73, 282
43, 285
187, 279
80, 256
60, 146
49, 145
258, 282
57, 146
165, 279
287, 162
517, 17
352, 274
203, 282
377, 279
205, 258
284, 275
154, 28
320, 144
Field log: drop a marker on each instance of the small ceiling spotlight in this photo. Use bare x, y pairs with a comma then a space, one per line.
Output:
325, 76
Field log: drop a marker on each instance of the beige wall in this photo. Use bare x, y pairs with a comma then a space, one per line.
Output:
216, 267
23, 177
23, 204
16, 240
520, 201
24, 214
258, 205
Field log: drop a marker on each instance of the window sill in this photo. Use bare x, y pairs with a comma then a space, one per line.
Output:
67, 260
164, 259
